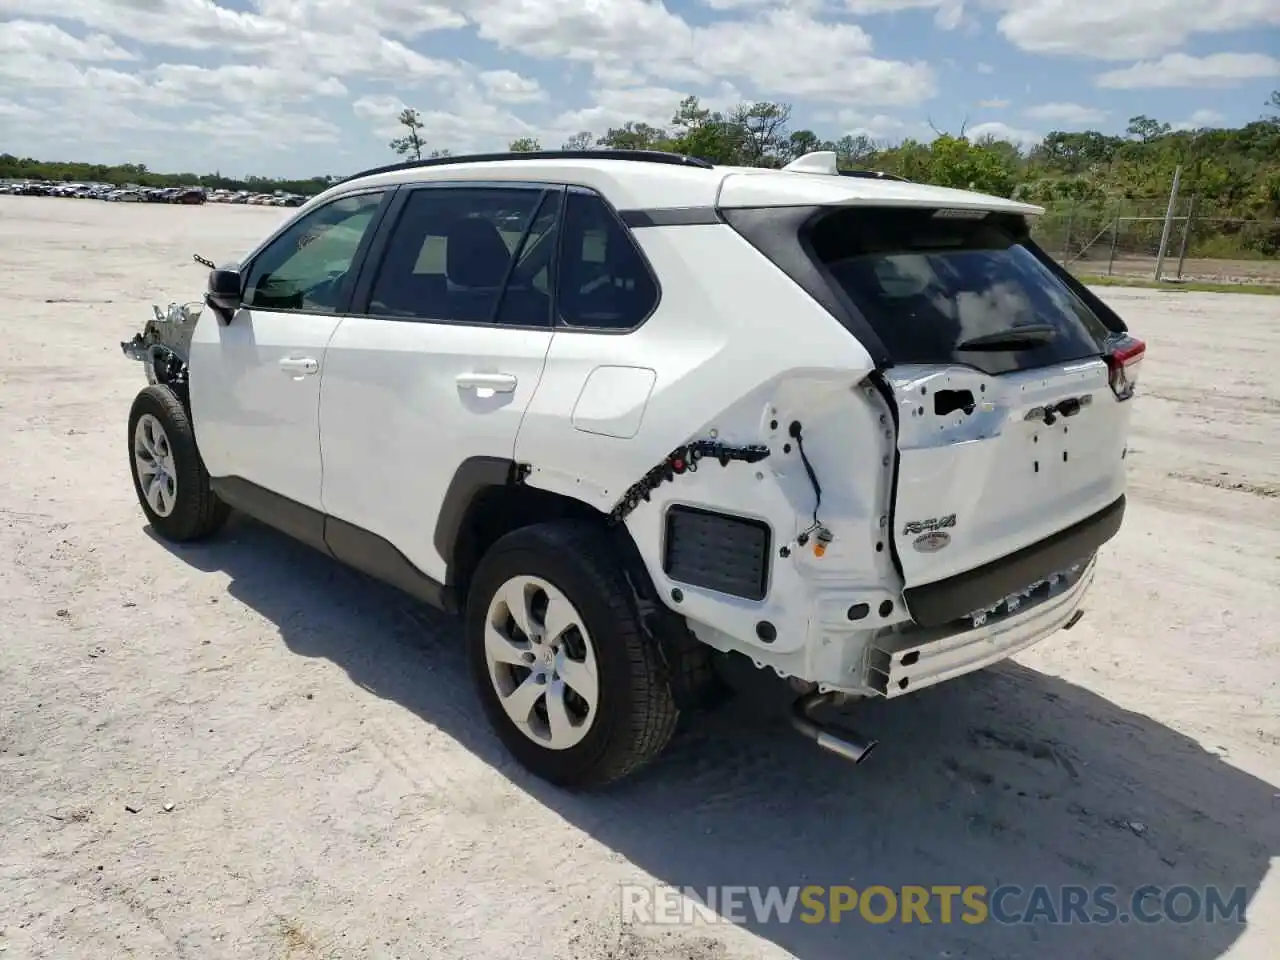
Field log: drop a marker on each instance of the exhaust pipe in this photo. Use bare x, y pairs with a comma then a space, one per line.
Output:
843, 742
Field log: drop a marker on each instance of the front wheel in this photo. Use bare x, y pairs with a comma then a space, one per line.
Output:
169, 476
569, 680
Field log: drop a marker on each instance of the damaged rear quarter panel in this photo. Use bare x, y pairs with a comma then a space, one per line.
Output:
740, 352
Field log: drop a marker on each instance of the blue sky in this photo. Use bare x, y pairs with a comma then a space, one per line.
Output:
300, 87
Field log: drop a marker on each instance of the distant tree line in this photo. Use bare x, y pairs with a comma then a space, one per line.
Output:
1236, 170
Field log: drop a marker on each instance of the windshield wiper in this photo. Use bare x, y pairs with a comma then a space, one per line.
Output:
1015, 338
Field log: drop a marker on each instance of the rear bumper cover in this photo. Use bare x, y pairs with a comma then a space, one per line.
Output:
946, 601
900, 663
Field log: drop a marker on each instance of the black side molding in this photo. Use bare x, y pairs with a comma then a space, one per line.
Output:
671, 217
474, 475
379, 558
358, 548
937, 604
288, 516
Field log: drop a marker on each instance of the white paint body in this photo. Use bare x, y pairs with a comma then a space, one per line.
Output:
375, 435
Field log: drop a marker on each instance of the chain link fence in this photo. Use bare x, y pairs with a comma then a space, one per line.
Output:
1122, 239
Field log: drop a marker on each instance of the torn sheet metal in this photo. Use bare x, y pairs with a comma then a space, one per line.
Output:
165, 340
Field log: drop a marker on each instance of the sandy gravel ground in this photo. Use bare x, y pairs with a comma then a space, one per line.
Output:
243, 750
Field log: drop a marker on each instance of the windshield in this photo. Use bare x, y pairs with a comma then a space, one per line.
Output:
928, 284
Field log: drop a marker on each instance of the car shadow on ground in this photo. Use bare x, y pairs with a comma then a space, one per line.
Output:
1006, 777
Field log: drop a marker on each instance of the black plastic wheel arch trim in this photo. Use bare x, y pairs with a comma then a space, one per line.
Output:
473, 476
936, 604
354, 546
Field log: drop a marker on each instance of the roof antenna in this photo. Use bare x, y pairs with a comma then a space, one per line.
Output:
820, 161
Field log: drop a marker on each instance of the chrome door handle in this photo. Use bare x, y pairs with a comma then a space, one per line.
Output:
497, 382
299, 366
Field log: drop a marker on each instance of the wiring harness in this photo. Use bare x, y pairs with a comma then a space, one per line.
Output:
683, 459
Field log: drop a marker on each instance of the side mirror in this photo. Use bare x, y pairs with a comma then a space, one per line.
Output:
224, 291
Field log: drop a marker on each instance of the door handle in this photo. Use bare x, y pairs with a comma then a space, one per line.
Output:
299, 366
497, 382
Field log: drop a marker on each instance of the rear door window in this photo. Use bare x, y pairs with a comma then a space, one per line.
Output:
927, 282
449, 256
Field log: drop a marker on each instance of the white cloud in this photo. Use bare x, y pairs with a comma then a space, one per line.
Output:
880, 127
28, 73
788, 54
781, 52
190, 24
404, 18
1200, 120
507, 86
1182, 70
1065, 113
993, 104
19, 113
264, 129
339, 37
1002, 131
1124, 29
948, 16
41, 39
242, 83
90, 116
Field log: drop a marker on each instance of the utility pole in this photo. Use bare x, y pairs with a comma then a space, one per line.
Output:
1168, 222
1186, 233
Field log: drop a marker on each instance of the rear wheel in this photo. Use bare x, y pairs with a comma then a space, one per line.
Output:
168, 475
570, 682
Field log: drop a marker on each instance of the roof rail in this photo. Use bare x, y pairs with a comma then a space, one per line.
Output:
641, 156
873, 175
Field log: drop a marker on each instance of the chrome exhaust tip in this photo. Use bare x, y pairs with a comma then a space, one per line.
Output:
841, 741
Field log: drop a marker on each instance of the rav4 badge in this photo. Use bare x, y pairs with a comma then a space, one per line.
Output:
931, 542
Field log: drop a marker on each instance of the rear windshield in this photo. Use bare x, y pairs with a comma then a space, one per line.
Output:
927, 283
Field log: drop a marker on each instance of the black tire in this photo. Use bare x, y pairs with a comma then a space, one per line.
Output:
635, 714
197, 512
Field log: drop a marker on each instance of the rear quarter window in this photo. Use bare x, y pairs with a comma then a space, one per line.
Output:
927, 283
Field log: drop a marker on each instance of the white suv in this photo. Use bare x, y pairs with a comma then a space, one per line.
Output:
623, 410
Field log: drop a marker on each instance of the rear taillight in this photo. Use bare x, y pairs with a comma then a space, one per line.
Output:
1124, 359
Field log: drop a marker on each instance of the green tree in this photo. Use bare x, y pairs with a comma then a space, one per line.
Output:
985, 167
764, 131
706, 134
411, 144
854, 151
580, 141
801, 142
1146, 129
633, 136
525, 145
